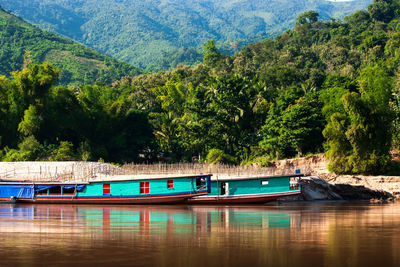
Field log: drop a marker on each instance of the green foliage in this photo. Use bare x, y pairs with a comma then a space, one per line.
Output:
84, 153
31, 123
335, 87
301, 126
309, 17
339, 147
28, 150
261, 161
381, 10
211, 54
189, 56
359, 139
96, 121
293, 126
64, 152
233, 103
78, 63
216, 156
157, 35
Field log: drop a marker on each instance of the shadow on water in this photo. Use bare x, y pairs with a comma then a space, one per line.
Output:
301, 234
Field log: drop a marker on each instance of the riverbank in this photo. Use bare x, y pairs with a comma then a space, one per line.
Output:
314, 188
320, 184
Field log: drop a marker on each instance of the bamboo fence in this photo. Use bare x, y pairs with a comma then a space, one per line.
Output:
215, 169
92, 171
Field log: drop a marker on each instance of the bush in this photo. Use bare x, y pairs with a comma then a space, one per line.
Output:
261, 161
65, 151
29, 149
216, 156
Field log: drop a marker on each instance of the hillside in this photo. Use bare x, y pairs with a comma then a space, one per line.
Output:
78, 64
158, 34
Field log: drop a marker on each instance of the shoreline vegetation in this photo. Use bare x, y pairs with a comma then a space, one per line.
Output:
322, 87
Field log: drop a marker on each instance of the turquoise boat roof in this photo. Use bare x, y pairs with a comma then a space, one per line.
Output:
238, 178
109, 179
41, 183
130, 177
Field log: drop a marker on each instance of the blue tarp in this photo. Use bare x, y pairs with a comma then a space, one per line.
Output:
15, 190
44, 187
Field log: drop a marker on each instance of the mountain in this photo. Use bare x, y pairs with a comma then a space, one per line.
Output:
148, 33
78, 63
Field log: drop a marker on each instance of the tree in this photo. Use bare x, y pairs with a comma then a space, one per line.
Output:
293, 125
381, 10
211, 54
301, 126
28, 149
308, 17
359, 139
65, 152
216, 156
31, 122
35, 81
233, 101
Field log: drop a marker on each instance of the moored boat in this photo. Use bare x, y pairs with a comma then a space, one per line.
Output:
242, 190
155, 190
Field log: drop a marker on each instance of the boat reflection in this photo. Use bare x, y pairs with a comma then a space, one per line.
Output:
143, 219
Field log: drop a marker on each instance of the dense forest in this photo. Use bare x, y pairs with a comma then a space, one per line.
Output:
79, 64
323, 86
158, 34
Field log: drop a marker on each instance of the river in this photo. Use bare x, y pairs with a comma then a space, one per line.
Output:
289, 234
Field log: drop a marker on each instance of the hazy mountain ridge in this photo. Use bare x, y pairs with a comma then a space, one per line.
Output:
141, 32
78, 64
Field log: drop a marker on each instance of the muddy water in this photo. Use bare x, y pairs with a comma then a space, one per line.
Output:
311, 234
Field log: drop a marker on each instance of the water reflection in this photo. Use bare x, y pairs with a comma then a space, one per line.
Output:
323, 234
140, 219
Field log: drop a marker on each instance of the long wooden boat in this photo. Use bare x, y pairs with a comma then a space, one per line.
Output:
250, 189
154, 190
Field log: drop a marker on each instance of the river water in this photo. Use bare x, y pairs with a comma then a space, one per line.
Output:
295, 234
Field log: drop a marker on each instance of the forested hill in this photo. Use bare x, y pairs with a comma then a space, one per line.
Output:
323, 86
161, 33
79, 64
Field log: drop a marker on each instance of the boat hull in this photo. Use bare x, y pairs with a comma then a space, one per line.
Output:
7, 201
240, 199
117, 190
165, 199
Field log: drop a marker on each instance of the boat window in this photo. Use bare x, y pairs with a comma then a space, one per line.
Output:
106, 189
56, 190
144, 187
170, 184
69, 191
41, 193
201, 183
264, 182
224, 188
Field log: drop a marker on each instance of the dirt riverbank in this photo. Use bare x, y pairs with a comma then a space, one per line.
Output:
320, 184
